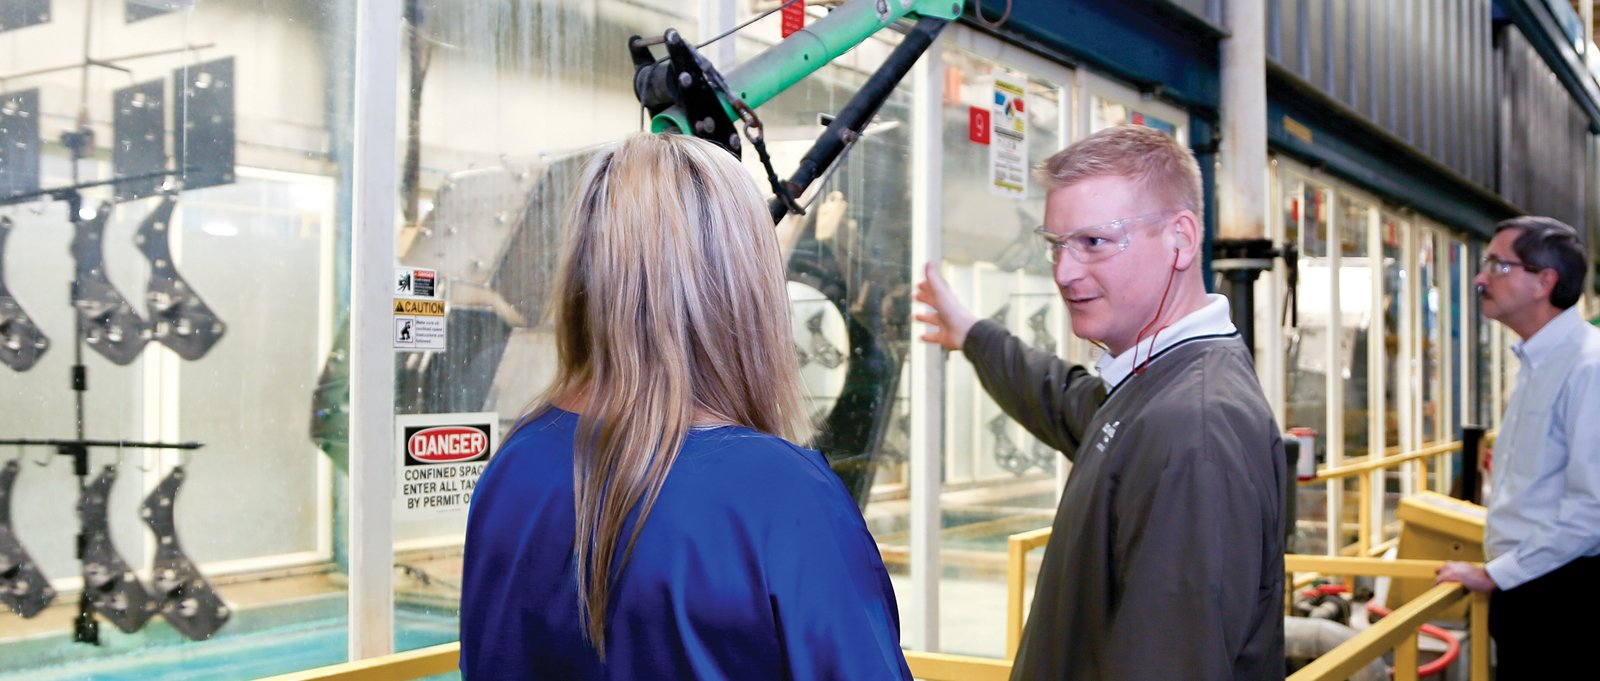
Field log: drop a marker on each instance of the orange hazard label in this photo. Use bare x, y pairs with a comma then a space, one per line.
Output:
425, 308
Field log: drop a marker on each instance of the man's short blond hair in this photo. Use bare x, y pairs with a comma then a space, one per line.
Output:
1161, 168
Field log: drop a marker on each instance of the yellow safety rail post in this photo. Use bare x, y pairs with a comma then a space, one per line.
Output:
1017, 548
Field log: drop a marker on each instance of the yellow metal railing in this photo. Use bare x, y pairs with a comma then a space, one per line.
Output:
1017, 548
442, 659
1360, 469
1397, 631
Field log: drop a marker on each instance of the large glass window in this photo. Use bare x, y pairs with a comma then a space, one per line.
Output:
502, 105
1307, 357
181, 244
998, 479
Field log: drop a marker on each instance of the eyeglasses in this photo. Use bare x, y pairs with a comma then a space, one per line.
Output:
1095, 242
1499, 268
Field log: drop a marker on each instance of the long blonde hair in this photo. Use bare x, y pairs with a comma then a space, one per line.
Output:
671, 310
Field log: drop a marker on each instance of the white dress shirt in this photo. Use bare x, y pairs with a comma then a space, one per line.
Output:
1544, 506
1211, 320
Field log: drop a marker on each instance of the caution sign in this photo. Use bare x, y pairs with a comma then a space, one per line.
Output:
419, 324
441, 457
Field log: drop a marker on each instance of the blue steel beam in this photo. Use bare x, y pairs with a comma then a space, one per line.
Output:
1157, 47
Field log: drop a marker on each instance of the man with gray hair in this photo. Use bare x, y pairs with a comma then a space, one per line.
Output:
1542, 536
1166, 556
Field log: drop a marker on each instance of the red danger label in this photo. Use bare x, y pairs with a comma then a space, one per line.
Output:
446, 444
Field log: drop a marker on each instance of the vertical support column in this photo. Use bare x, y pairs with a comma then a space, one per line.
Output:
1372, 498
1468, 484
1333, 386
1478, 634
371, 359
927, 361
1241, 248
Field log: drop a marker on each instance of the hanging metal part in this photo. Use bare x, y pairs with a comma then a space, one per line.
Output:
1039, 323
109, 584
179, 319
822, 349
106, 321
21, 341
22, 587
1006, 454
182, 594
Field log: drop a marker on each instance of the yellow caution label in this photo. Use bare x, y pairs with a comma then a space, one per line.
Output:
425, 308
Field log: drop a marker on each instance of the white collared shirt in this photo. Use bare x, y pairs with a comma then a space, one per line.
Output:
1212, 320
1544, 505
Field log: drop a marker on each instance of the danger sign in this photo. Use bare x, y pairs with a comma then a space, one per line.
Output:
441, 457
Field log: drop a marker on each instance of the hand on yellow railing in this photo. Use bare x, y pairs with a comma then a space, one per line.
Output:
1473, 577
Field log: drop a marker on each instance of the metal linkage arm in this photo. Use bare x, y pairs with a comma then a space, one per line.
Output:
685, 93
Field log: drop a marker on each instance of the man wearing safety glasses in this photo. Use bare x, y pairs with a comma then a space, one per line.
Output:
1542, 534
1166, 558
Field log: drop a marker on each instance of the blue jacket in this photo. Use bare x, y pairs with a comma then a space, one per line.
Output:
754, 564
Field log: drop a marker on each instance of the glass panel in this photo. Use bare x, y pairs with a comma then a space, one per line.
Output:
1430, 295
1483, 406
1306, 348
206, 288
1394, 271
998, 479
485, 175
1106, 112
1356, 282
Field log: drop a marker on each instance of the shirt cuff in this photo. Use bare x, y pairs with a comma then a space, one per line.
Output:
1506, 572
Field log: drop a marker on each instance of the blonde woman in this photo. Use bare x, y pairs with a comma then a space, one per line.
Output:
651, 518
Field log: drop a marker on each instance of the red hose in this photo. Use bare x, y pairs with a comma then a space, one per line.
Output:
1452, 646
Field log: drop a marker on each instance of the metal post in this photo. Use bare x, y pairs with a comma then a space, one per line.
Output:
376, 175
927, 362
1468, 484
1241, 249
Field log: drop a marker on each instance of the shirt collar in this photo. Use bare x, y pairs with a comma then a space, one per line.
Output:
1212, 320
1548, 338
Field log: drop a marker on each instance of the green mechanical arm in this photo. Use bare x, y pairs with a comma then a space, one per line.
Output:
686, 94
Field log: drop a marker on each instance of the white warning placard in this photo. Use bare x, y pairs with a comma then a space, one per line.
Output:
1008, 142
441, 457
